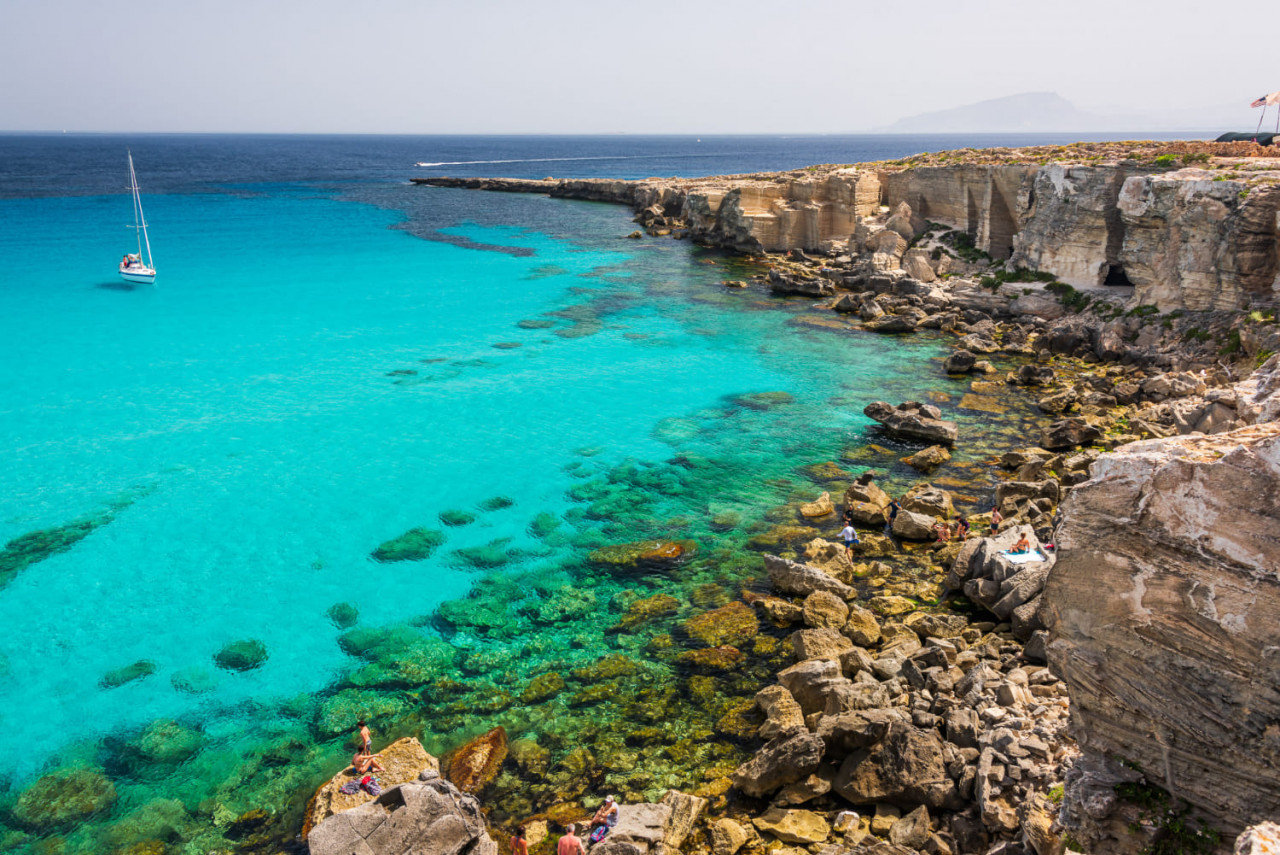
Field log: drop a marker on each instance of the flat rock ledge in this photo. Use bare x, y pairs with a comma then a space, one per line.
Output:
405, 759
424, 817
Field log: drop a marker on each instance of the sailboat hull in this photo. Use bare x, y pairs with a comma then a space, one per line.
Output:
142, 276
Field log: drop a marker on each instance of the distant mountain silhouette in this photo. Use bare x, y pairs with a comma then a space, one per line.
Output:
1028, 111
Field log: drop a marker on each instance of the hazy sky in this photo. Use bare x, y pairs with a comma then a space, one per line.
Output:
572, 66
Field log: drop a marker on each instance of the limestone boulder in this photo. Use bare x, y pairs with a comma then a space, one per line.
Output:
425, 817
782, 714
791, 577
820, 507
811, 680
1162, 612
404, 760
783, 760
866, 502
793, 826
913, 420
727, 837
910, 525
642, 829
960, 362
1069, 433
928, 500
824, 610
907, 767
928, 459
819, 644
862, 626
911, 831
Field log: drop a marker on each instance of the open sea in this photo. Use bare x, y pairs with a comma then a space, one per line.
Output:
329, 359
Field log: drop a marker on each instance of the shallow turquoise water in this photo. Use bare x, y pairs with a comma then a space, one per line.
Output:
307, 380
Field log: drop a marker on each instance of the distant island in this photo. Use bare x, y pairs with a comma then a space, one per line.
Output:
1049, 112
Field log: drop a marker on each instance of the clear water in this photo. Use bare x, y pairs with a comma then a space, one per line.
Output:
309, 378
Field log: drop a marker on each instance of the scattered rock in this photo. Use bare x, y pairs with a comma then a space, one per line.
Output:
244, 655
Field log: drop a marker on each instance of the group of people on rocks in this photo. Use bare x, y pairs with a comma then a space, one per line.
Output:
944, 531
365, 762
570, 843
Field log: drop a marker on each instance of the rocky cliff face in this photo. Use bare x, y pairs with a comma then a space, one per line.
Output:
1190, 238
1162, 612
1195, 241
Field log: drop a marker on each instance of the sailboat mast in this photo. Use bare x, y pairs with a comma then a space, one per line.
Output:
139, 219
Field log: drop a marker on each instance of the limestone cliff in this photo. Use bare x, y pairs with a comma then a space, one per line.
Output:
1192, 226
1162, 612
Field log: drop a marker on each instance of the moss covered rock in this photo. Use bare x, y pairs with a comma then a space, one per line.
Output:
137, 671
414, 545
734, 624
643, 555
343, 615
455, 517
645, 610
542, 687
167, 741
64, 798
244, 655
340, 713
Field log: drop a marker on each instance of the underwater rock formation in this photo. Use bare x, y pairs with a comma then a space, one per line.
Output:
474, 766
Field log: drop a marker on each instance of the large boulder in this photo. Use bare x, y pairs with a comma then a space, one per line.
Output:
913, 420
404, 760
781, 761
866, 502
1069, 433
791, 577
642, 829
906, 767
1162, 613
910, 525
425, 817
928, 500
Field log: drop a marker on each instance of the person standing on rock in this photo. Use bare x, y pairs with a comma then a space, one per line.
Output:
519, 845
891, 514
366, 738
850, 538
962, 529
570, 844
996, 519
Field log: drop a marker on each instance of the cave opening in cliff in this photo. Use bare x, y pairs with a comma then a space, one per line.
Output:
1116, 276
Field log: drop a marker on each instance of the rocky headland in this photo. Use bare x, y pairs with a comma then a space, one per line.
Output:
1119, 695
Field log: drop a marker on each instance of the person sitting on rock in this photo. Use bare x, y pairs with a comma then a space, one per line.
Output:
570, 844
942, 530
1022, 547
367, 762
605, 818
962, 528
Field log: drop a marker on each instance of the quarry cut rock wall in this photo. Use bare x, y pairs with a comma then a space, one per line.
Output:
1192, 239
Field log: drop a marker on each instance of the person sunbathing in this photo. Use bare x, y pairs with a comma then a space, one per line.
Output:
1022, 547
366, 763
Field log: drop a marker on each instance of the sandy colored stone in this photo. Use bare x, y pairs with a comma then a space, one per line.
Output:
404, 760
824, 610
821, 507
793, 826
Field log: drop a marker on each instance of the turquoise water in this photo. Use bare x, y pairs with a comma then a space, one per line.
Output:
310, 378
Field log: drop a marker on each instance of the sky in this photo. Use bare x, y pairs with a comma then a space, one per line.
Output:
602, 66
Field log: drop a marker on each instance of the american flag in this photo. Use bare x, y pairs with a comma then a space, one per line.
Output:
1267, 100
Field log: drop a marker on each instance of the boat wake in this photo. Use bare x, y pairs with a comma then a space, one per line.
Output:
551, 159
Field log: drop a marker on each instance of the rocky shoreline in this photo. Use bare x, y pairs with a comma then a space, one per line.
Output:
1000, 729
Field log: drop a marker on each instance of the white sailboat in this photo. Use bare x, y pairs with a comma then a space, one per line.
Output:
131, 267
